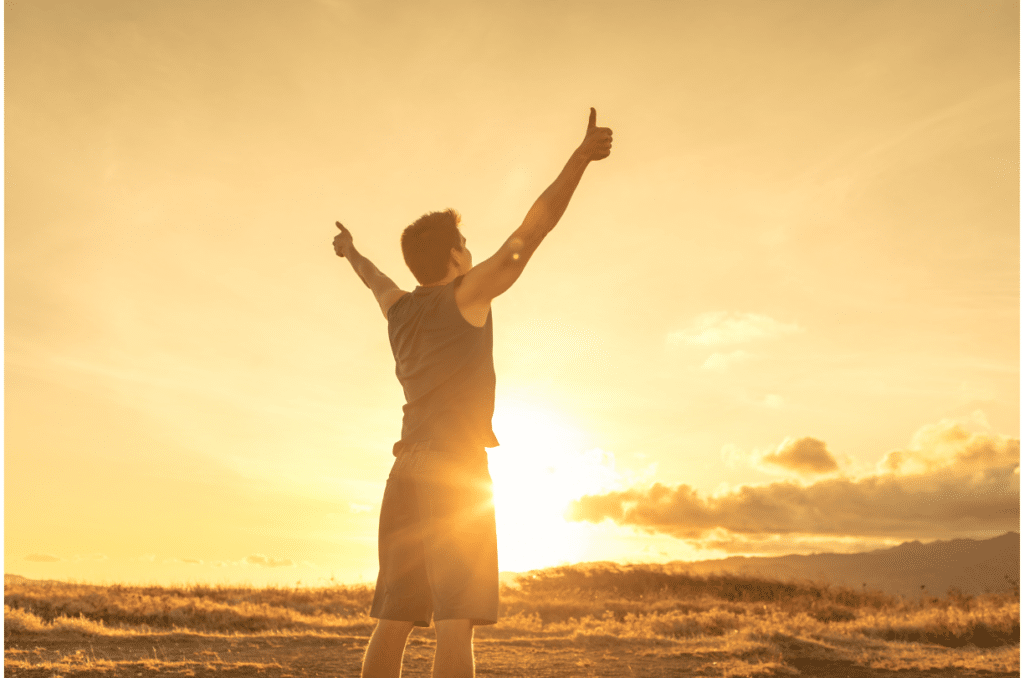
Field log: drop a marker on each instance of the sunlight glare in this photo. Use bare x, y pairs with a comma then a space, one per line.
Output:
538, 469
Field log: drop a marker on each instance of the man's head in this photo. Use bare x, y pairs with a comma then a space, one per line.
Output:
432, 245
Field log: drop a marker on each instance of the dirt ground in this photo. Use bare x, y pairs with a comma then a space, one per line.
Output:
46, 656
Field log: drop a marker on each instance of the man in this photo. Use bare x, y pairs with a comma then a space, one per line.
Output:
437, 543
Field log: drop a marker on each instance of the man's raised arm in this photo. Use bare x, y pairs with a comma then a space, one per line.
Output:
490, 278
384, 290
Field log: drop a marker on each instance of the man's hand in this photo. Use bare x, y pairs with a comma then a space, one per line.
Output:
384, 290
597, 144
343, 241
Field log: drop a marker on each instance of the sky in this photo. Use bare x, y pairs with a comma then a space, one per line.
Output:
781, 317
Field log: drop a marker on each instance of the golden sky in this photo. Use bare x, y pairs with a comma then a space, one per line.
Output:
783, 316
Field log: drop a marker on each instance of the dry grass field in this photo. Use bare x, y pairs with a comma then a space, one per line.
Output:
583, 620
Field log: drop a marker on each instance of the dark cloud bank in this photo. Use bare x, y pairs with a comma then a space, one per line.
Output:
948, 483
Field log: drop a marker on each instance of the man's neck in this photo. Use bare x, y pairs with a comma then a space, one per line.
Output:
453, 273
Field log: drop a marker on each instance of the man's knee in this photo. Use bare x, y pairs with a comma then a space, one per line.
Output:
453, 631
392, 629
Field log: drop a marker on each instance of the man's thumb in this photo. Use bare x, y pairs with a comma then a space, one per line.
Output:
593, 119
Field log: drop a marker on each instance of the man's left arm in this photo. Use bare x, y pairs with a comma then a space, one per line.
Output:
384, 289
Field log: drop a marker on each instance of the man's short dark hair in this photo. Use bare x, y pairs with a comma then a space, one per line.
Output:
427, 245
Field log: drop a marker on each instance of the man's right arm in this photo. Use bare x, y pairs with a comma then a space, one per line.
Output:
493, 276
384, 290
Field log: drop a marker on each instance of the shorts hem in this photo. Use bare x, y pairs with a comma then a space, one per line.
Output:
415, 622
475, 621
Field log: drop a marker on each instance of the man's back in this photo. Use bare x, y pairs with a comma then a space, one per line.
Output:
446, 369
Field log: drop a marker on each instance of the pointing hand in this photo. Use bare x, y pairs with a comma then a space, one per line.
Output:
597, 144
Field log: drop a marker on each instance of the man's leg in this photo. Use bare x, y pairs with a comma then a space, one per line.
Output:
384, 653
453, 656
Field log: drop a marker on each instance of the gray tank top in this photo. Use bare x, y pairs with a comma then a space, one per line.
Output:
446, 368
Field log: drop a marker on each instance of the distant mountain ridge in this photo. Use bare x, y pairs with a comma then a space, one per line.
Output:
973, 566
970, 565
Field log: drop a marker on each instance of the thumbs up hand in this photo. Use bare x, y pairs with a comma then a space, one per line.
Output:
342, 241
597, 144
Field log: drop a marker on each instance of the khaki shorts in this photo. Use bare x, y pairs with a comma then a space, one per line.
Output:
437, 543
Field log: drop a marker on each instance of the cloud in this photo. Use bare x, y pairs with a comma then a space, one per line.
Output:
360, 508
806, 456
948, 483
263, 561
723, 328
948, 444
720, 362
42, 558
800, 456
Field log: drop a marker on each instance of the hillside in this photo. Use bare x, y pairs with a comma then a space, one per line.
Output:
972, 566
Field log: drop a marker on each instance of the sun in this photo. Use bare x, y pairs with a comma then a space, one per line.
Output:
538, 470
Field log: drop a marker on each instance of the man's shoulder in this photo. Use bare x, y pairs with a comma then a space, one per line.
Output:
427, 304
